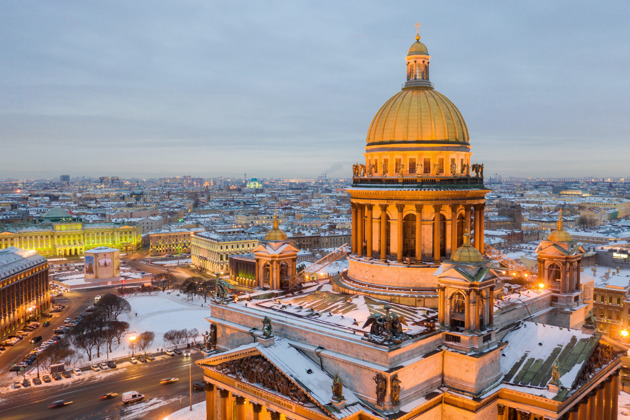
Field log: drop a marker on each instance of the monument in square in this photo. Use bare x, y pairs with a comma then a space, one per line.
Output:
420, 326
102, 263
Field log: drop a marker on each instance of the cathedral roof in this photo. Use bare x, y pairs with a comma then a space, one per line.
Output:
418, 113
560, 235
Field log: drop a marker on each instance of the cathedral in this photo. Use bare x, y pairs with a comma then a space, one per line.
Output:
422, 325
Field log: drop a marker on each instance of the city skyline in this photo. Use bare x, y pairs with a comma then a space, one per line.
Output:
278, 90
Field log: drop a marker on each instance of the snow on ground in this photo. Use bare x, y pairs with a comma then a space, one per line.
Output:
139, 410
85, 376
160, 312
198, 413
173, 262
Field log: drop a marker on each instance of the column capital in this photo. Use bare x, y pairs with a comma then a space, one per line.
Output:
369, 206
400, 207
224, 393
257, 408
274, 414
383, 207
437, 207
418, 208
239, 400
209, 386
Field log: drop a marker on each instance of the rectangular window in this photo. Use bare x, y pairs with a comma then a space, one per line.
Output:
453, 167
385, 166
441, 165
412, 165
427, 165
398, 168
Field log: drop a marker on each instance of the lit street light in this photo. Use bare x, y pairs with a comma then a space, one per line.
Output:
132, 340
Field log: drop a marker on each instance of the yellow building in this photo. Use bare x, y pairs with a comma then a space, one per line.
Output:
62, 237
211, 251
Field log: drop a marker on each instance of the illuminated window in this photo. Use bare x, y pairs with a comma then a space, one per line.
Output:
427, 165
412, 165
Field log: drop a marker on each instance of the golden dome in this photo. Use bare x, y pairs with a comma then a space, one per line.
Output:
418, 114
560, 235
466, 253
418, 48
275, 234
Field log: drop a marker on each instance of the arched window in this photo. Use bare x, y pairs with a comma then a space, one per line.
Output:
554, 275
459, 303
458, 310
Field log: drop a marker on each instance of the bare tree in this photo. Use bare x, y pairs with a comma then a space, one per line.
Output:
56, 353
145, 340
111, 306
163, 280
192, 334
170, 337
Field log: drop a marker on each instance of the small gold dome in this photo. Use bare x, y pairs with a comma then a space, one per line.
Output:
560, 235
466, 253
418, 48
275, 234
418, 114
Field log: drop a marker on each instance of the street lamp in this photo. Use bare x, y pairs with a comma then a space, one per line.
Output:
132, 340
541, 286
624, 333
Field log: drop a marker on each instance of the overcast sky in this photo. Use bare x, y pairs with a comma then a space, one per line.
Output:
271, 88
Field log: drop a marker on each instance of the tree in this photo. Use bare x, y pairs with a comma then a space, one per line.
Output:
144, 340
190, 286
206, 288
56, 353
86, 338
112, 330
111, 306
192, 334
170, 337
163, 280
180, 336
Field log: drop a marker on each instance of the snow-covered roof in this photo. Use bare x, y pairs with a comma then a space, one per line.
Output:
533, 348
14, 260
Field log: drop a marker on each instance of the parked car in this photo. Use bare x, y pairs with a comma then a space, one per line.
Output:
26, 383
67, 374
142, 359
170, 353
199, 386
133, 360
17, 385
36, 339
178, 351
56, 376
37, 381
95, 368
76, 372
149, 358
103, 366
46, 378
111, 364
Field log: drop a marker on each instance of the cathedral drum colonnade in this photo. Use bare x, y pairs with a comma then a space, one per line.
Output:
415, 195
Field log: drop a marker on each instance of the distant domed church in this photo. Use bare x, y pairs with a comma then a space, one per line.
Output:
420, 326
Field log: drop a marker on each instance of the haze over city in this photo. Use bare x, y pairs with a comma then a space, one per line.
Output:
289, 89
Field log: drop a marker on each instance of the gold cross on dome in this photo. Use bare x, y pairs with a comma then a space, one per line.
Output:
417, 25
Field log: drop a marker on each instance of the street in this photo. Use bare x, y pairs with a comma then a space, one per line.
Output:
33, 402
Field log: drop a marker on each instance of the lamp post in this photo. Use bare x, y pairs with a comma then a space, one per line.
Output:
132, 340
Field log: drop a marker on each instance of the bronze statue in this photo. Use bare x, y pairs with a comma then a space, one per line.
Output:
384, 168
453, 168
555, 373
267, 328
381, 388
337, 388
395, 390
221, 291
385, 329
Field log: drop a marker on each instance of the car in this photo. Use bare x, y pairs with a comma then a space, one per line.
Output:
111, 364
67, 374
133, 360
36, 339
170, 353
15, 368
76, 372
95, 368
67, 320
167, 381
108, 396
37, 381
142, 359
177, 351
198, 386
97, 298
26, 383
46, 323
17, 385
90, 308
131, 397
56, 376
103, 366
149, 358
186, 353
59, 403
46, 378
60, 330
